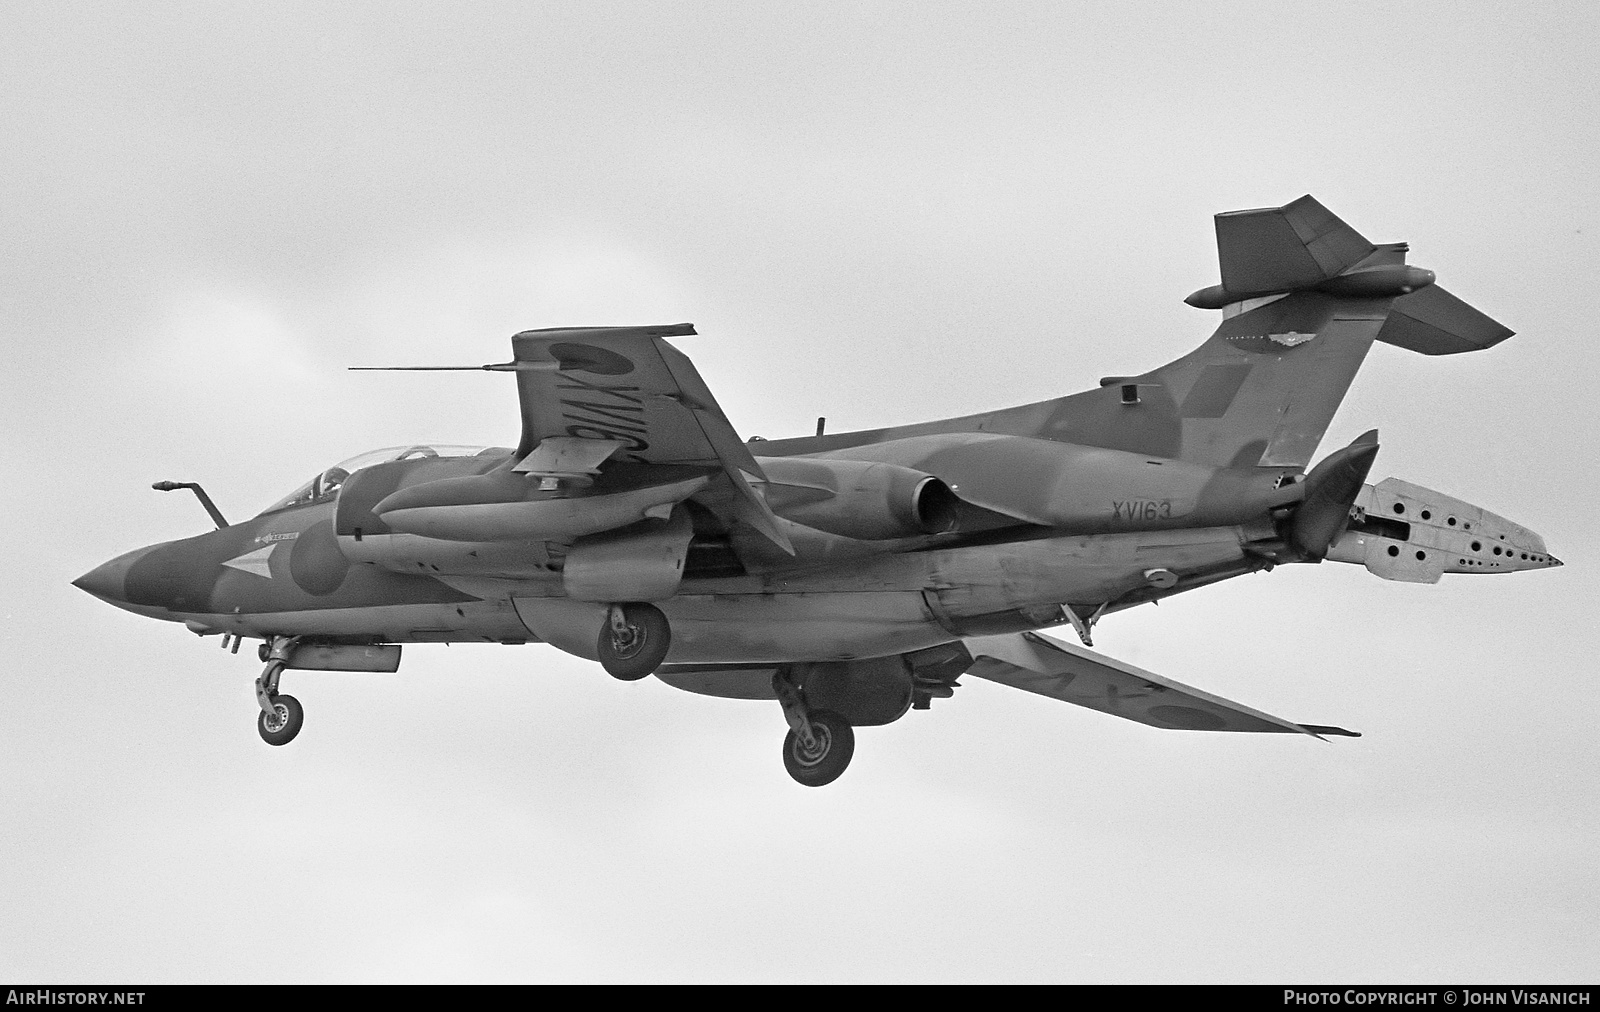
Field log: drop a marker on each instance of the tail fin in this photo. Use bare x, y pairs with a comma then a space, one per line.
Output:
1303, 296
1276, 249
1304, 245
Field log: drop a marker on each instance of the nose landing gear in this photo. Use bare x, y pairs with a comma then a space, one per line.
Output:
281, 715
819, 744
634, 640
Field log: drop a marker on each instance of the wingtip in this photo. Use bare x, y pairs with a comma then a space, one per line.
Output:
1319, 730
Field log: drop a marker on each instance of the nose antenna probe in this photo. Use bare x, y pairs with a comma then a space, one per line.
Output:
205, 500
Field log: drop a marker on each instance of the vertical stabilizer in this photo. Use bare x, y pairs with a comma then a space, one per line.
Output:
1303, 297
1273, 249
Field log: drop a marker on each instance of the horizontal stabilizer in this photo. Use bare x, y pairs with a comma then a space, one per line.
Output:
1073, 674
1275, 249
1432, 321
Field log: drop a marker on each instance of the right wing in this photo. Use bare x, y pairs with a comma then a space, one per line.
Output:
1073, 674
593, 394
626, 388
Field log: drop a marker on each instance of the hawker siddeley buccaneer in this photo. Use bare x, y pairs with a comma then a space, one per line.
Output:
852, 577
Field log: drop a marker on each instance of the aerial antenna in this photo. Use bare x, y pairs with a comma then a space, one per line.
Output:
491, 367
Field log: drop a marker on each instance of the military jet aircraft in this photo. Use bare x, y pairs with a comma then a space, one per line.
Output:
854, 576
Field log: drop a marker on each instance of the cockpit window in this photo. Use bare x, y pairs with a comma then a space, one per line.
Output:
326, 485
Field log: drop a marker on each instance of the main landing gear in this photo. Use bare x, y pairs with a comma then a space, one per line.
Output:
281, 716
819, 744
634, 641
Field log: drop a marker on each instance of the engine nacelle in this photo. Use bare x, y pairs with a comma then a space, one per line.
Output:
858, 499
643, 562
1076, 489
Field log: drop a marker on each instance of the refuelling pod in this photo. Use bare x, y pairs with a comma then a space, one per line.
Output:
354, 515
364, 537
507, 506
858, 499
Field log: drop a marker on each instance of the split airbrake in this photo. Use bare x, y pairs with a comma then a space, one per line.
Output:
853, 577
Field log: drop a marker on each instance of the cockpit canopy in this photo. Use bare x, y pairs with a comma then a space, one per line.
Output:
326, 485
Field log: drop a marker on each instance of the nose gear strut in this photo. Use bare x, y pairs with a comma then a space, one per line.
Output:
281, 715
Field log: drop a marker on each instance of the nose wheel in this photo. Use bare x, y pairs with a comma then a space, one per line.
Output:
281, 715
634, 640
281, 725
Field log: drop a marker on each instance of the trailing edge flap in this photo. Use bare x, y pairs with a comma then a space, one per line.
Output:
1432, 321
1073, 674
1275, 249
628, 386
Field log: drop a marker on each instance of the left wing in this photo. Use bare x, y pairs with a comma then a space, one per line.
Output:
1062, 671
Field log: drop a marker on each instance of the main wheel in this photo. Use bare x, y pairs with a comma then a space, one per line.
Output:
836, 743
639, 647
280, 727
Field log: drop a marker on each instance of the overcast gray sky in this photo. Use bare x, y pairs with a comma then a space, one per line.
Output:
878, 213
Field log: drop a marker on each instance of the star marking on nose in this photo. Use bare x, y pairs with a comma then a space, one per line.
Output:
255, 562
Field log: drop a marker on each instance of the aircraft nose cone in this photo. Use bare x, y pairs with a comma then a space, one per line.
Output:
103, 581
109, 581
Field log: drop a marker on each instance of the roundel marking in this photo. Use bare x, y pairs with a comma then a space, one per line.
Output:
588, 358
315, 562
